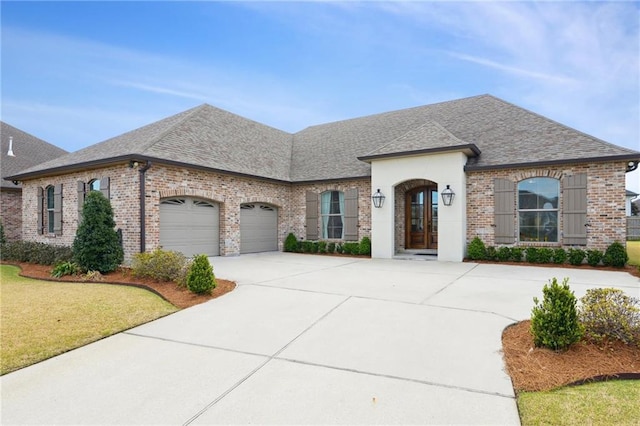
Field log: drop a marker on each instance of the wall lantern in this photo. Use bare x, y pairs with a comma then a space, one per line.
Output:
378, 199
447, 196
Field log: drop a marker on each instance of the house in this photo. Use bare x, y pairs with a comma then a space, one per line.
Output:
20, 151
630, 195
209, 181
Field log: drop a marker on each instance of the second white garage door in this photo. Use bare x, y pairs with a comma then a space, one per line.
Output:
190, 226
258, 228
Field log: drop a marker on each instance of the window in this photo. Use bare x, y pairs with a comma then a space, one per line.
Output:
94, 185
51, 204
332, 213
538, 209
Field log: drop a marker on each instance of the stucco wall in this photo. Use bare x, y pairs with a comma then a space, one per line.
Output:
11, 213
605, 205
443, 169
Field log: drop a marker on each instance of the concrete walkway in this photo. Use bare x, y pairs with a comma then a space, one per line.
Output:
307, 340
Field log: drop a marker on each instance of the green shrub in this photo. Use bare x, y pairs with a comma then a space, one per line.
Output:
532, 255
559, 256
615, 255
331, 247
516, 254
339, 249
545, 254
351, 248
322, 246
554, 322
3, 238
291, 243
476, 249
503, 254
594, 257
96, 246
64, 268
161, 265
609, 313
314, 247
492, 253
307, 246
33, 252
365, 246
200, 279
576, 256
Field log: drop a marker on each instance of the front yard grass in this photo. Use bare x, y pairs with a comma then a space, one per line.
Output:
633, 250
606, 403
41, 319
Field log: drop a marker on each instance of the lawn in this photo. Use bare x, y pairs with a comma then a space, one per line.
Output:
633, 250
41, 319
607, 403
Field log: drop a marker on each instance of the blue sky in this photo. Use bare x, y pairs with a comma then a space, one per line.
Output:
76, 73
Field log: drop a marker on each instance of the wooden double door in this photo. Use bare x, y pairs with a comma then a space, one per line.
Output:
422, 218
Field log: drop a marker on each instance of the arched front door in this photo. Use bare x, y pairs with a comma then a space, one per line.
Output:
422, 218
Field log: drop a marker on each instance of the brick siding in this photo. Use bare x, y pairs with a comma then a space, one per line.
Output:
605, 200
11, 213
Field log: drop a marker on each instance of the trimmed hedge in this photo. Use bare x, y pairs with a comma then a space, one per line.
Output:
33, 252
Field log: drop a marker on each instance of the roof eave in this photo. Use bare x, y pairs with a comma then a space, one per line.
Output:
470, 150
603, 159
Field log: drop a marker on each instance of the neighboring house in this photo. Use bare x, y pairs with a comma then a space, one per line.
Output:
20, 151
630, 196
208, 181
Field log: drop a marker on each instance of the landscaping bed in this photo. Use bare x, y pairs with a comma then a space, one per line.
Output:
537, 369
170, 291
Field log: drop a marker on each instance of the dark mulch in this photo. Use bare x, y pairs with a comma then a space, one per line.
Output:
170, 291
536, 369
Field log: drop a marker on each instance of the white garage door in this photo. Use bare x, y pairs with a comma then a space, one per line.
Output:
190, 226
258, 228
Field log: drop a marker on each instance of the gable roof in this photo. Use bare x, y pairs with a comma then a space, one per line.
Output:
28, 149
493, 133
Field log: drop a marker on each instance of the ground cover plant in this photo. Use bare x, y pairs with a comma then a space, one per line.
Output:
43, 319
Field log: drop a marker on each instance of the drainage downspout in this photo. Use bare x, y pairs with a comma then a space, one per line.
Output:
143, 196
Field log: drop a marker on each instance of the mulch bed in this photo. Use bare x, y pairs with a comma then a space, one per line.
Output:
537, 369
633, 270
170, 291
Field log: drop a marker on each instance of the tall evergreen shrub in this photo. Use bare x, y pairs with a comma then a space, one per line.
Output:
200, 278
96, 246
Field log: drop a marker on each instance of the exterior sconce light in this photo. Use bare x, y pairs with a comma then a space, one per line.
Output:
378, 199
447, 196
133, 164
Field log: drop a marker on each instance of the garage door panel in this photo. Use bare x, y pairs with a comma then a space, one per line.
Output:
190, 226
258, 228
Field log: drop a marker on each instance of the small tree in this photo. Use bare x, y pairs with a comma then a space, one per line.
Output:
200, 278
554, 322
96, 246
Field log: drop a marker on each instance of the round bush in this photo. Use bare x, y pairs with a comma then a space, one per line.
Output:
365, 246
576, 256
615, 255
476, 249
609, 313
200, 279
554, 322
594, 257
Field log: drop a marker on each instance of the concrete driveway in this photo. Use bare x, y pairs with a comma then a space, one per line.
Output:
307, 340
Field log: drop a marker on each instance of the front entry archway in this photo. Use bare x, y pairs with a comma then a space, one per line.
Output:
421, 218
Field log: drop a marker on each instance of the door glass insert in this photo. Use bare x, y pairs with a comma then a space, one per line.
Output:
434, 211
417, 212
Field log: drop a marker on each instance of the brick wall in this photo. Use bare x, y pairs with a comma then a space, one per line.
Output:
298, 204
605, 200
11, 213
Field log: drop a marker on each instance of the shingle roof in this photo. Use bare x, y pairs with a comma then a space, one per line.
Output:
492, 132
204, 136
28, 149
